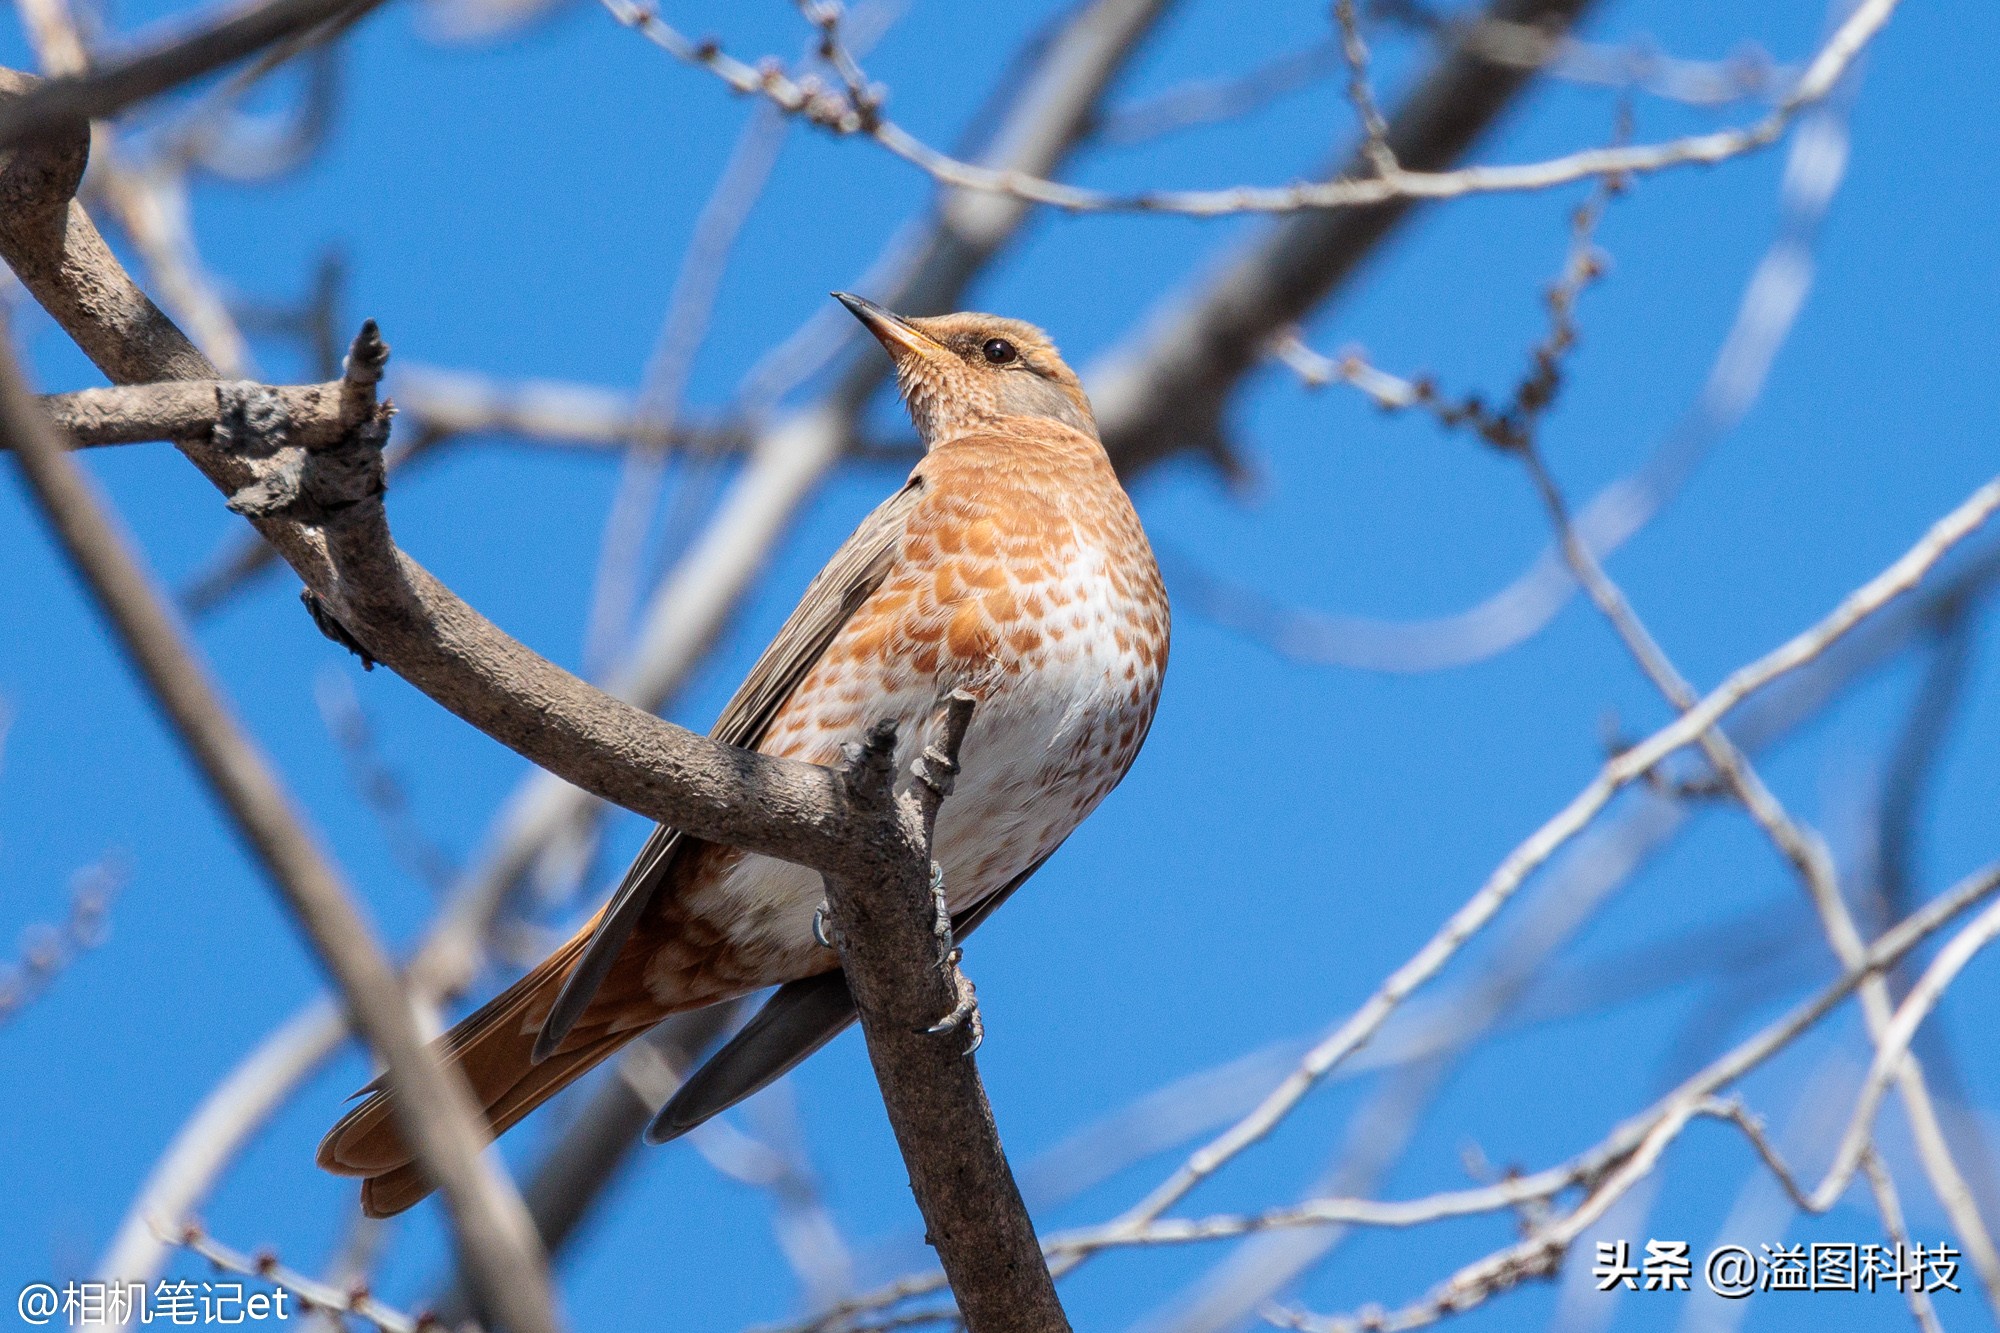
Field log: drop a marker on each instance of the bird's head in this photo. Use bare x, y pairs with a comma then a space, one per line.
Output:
958, 373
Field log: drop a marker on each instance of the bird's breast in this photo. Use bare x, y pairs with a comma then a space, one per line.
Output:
1061, 636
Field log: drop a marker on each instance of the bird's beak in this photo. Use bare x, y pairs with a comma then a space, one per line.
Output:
896, 334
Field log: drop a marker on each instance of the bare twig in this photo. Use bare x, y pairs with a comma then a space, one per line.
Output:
1537, 1256
1611, 1168
312, 1295
1892, 1045
1168, 389
48, 950
1888, 870
841, 115
438, 408
1807, 854
1354, 51
352, 1262
449, 403
217, 136
1766, 312
1516, 987
1637, 65
1514, 430
1750, 73
149, 198
1891, 1207
1530, 855
150, 202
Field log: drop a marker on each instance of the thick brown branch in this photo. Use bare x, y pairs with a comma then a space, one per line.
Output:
894, 934
136, 413
496, 1239
409, 621
57, 253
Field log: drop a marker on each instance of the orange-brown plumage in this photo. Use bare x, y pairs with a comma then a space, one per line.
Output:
1012, 565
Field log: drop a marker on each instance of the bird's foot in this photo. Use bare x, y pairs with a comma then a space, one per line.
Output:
941, 922
822, 919
965, 1014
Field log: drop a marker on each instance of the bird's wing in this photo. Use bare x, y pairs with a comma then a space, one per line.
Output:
854, 572
798, 1019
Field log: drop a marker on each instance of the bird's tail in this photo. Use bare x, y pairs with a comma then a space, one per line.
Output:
493, 1049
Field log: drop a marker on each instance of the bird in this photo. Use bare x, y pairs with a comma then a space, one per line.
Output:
1010, 565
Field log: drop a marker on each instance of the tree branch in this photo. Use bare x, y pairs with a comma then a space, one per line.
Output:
893, 930
854, 114
136, 413
356, 1301
64, 104
495, 1238
1621, 771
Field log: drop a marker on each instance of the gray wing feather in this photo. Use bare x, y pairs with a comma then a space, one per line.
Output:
854, 572
798, 1019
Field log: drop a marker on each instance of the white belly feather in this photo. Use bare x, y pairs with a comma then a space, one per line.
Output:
1046, 744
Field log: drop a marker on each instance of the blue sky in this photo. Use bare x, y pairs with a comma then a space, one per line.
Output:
1291, 833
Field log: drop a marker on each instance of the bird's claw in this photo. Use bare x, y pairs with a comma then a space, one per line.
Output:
964, 1014
820, 931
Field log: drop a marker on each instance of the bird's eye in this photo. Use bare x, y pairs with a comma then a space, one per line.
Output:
999, 351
